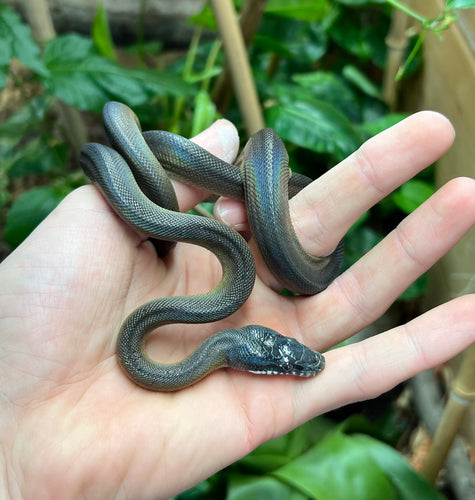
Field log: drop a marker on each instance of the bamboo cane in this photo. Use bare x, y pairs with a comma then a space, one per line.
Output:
396, 43
461, 394
249, 20
238, 63
39, 19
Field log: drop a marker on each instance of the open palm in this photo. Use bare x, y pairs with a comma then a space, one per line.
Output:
73, 425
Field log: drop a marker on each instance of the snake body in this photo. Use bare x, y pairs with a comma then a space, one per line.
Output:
133, 179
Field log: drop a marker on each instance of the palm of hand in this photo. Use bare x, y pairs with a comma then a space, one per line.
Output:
77, 425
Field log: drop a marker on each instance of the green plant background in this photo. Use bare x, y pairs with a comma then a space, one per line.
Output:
318, 68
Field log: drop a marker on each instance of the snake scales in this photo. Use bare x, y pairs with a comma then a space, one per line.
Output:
133, 177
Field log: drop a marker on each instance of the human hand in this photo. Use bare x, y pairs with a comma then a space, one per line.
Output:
73, 425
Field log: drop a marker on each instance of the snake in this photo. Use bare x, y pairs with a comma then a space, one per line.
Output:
134, 173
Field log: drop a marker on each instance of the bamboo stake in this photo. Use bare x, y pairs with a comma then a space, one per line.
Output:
39, 19
239, 67
461, 394
396, 43
249, 20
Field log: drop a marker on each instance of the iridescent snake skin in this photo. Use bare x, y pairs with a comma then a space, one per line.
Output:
132, 176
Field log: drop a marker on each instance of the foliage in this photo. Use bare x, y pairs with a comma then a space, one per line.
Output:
317, 96
440, 23
79, 71
320, 460
318, 68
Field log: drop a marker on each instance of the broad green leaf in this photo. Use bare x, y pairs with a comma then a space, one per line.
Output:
39, 156
29, 210
460, 4
274, 454
268, 488
87, 80
101, 34
412, 194
204, 113
361, 81
17, 42
205, 18
28, 118
373, 128
408, 483
339, 467
307, 10
361, 36
330, 88
315, 125
301, 41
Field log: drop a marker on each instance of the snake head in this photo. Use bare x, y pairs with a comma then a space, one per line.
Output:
264, 351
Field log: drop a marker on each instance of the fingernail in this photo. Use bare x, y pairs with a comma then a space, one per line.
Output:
231, 213
229, 140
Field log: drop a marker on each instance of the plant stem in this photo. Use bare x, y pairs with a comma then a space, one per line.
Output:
251, 14
461, 395
210, 61
407, 10
239, 66
411, 56
187, 72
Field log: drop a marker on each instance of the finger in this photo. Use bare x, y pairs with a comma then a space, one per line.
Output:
326, 209
220, 139
369, 368
364, 292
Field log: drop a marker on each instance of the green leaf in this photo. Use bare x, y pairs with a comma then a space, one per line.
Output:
205, 18
460, 4
361, 81
373, 128
307, 10
248, 487
329, 87
339, 467
87, 80
17, 42
408, 483
280, 451
101, 34
315, 125
27, 119
362, 35
412, 194
29, 210
204, 113
298, 40
39, 156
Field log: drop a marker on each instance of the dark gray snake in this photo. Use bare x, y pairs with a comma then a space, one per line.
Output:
132, 177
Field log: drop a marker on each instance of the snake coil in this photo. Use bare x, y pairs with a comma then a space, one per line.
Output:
133, 177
